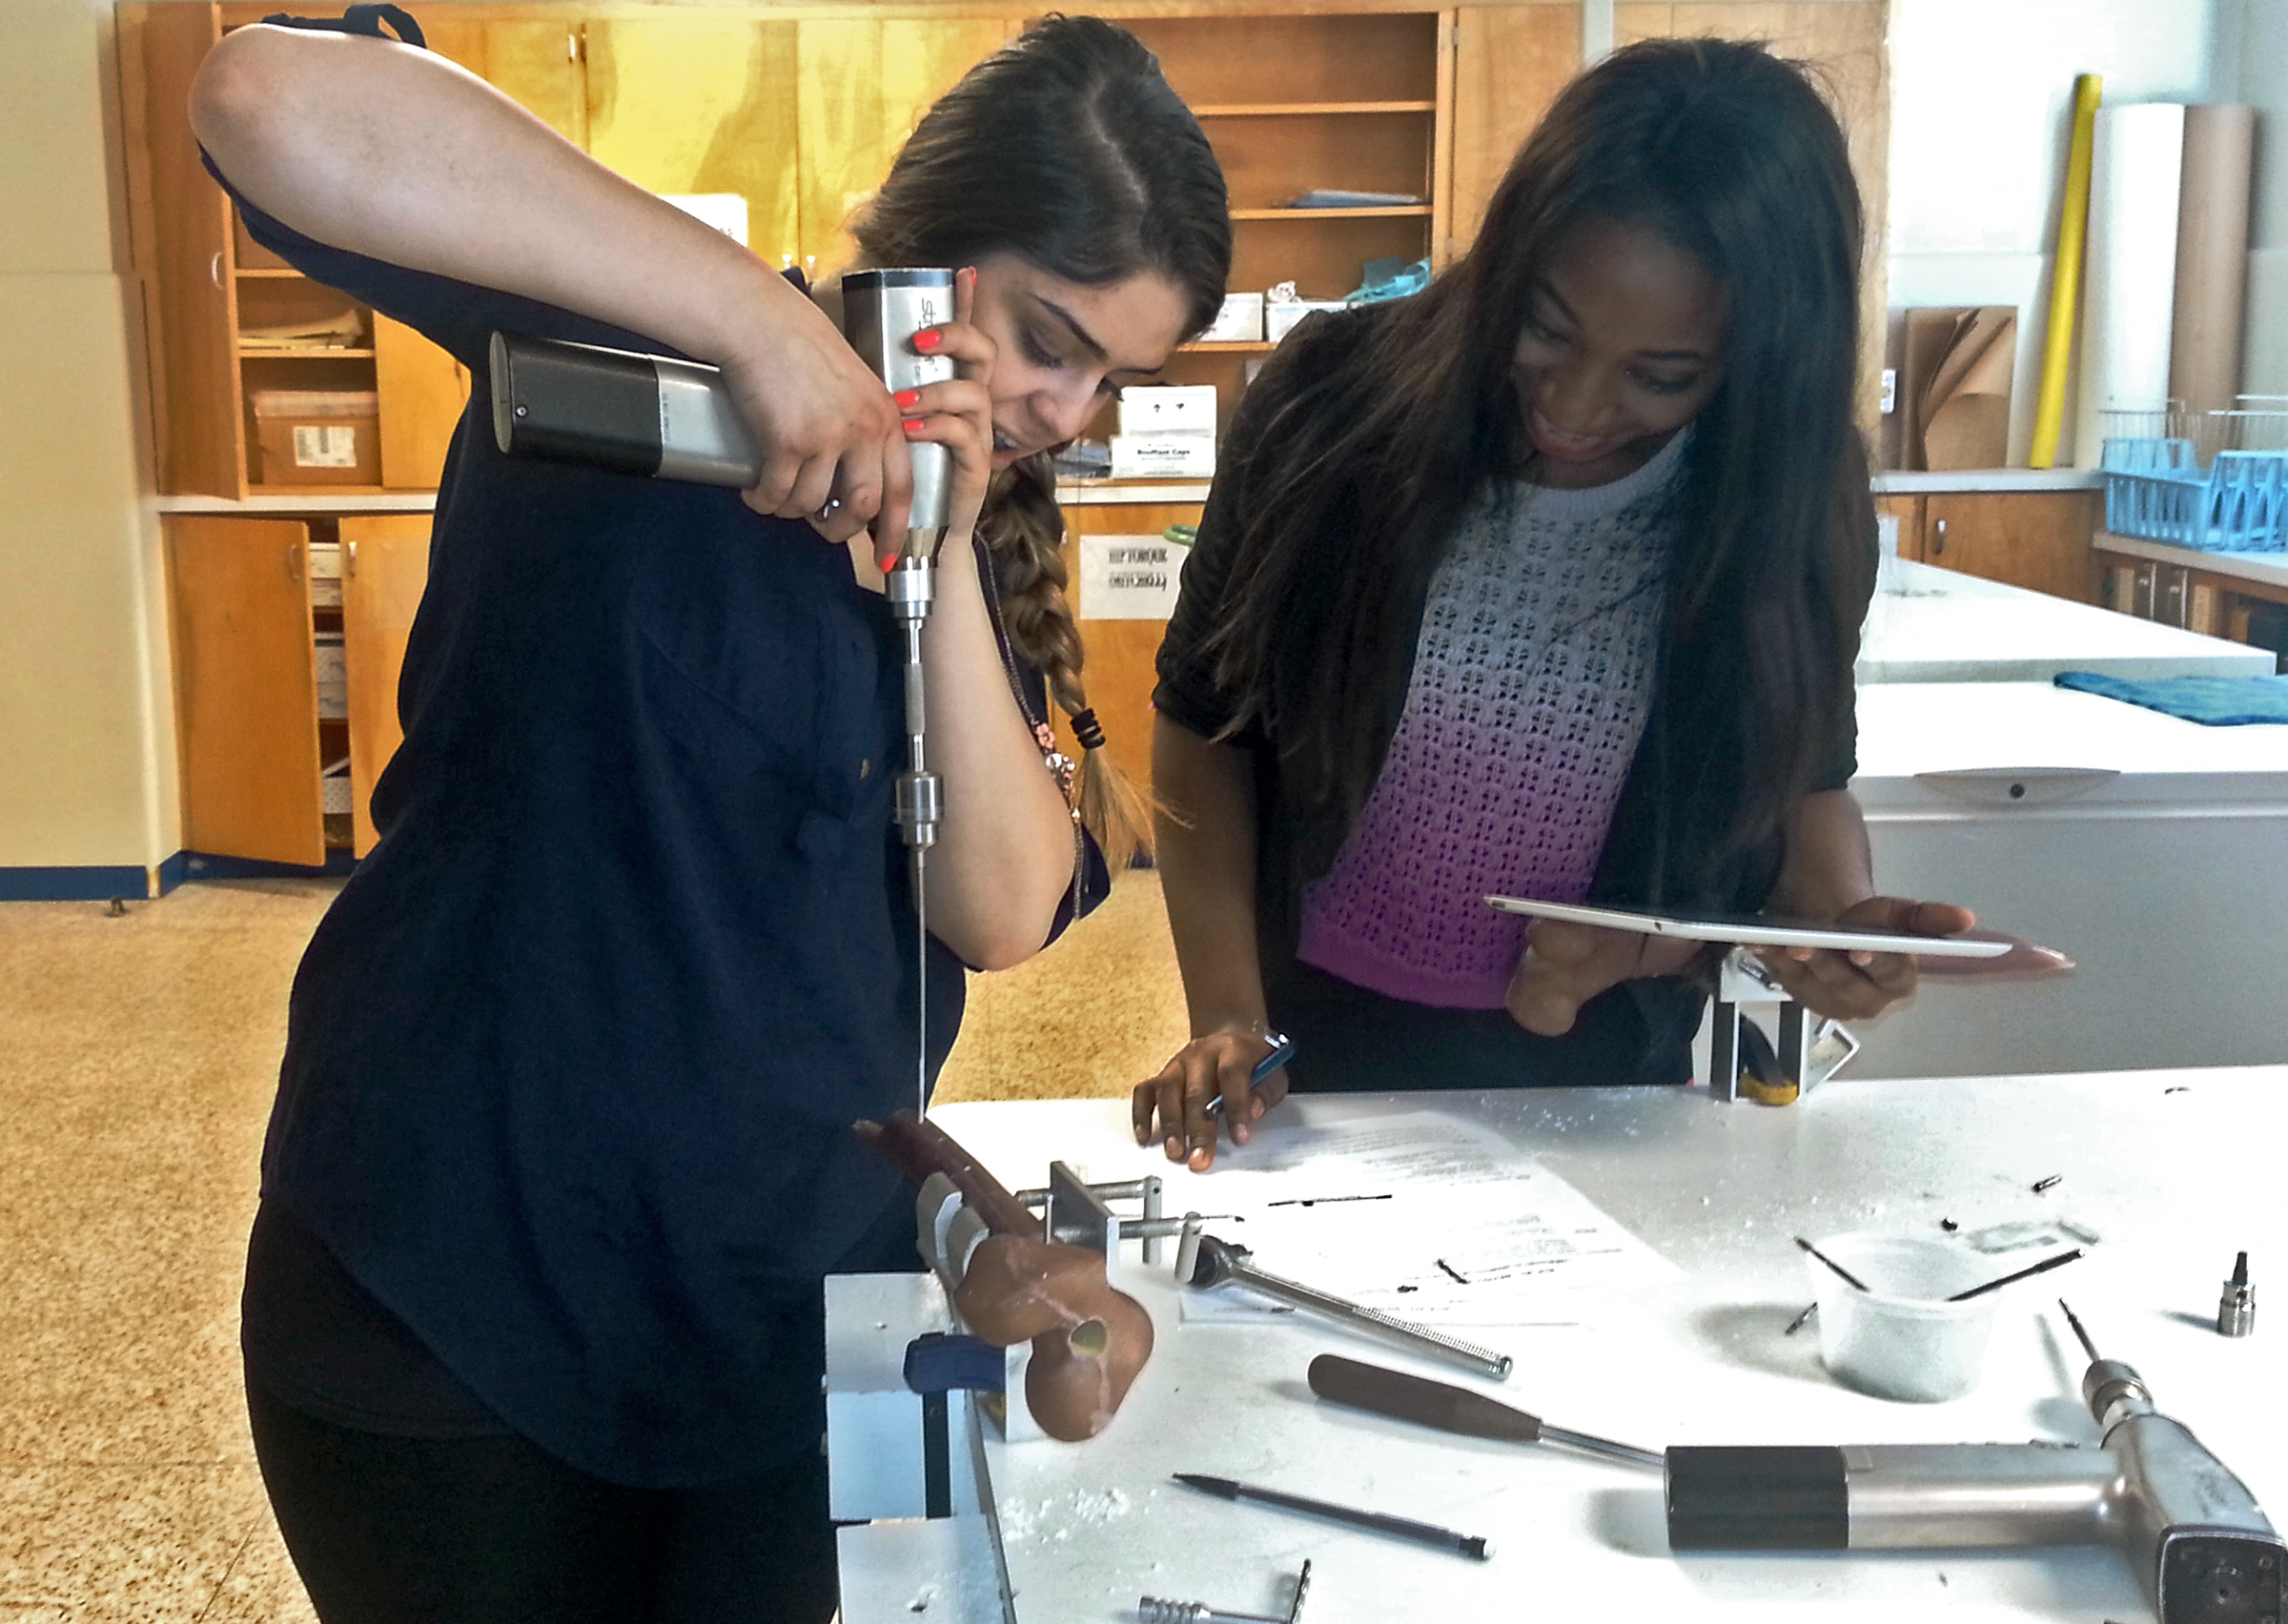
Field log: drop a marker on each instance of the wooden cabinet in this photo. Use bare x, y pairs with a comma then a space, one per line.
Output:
1509, 64
799, 116
384, 564
861, 85
1847, 44
1118, 654
246, 688
2038, 539
286, 689
2228, 596
1303, 102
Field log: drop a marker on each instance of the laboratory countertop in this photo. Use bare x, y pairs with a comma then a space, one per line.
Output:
2174, 1171
1917, 482
1929, 625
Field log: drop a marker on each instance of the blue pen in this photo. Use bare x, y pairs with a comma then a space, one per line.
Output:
1283, 1050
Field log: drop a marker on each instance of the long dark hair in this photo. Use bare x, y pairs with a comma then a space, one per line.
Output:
1068, 149
1732, 155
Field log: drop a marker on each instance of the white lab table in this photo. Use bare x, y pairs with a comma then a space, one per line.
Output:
1927, 624
2176, 1171
2152, 850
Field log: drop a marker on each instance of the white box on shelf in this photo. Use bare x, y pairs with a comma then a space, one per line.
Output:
1279, 319
325, 574
1167, 409
1240, 321
1162, 457
332, 678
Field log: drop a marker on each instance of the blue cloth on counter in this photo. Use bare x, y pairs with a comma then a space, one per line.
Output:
2212, 701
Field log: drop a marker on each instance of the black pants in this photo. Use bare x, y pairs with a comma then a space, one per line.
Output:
494, 1530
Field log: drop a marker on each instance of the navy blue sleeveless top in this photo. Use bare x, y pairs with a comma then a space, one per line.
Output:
572, 1061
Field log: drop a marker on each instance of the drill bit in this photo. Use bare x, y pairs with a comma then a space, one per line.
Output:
2087, 1346
912, 586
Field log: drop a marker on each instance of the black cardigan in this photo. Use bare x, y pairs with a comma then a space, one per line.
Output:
1639, 1032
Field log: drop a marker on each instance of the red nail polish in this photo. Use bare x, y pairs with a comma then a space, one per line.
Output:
914, 425
910, 397
928, 339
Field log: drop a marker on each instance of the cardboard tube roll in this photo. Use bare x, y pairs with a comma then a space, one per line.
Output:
2136, 171
2212, 257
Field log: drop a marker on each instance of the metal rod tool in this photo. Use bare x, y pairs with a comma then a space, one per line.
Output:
1205, 1263
1474, 1546
1455, 1410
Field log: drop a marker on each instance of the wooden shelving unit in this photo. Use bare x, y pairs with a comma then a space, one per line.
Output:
1306, 102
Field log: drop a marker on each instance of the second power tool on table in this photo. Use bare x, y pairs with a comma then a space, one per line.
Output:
2191, 1528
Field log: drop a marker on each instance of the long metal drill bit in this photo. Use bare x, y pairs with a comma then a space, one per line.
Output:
921, 985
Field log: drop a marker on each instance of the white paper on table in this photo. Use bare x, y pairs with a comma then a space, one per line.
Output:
1421, 1217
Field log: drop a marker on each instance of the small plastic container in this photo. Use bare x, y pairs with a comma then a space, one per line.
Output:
1900, 1339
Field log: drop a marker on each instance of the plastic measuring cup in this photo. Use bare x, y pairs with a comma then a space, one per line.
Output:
1900, 1339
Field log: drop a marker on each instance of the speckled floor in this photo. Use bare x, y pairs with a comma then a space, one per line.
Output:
137, 1055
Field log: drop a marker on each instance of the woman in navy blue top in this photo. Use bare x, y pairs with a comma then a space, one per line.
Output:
562, 1149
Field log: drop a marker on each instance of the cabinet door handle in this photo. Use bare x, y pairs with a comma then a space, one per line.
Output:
215, 271
349, 558
294, 560
1938, 539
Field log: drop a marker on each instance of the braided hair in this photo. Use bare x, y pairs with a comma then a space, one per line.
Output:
1068, 149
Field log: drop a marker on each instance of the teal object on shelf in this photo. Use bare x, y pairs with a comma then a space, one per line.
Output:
1391, 278
2154, 489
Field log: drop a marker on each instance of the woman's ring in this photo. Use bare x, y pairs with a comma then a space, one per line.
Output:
833, 506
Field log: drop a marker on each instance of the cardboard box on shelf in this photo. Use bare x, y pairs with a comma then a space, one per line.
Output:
318, 436
1279, 319
1156, 457
1167, 409
1240, 321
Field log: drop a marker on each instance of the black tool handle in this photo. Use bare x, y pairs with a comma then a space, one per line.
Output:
577, 403
1758, 1498
1417, 1399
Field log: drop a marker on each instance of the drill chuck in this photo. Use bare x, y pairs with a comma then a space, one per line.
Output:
2113, 1391
921, 807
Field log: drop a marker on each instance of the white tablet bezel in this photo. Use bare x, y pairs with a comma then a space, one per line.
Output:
1753, 931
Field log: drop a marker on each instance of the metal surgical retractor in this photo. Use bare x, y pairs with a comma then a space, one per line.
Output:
1204, 1261
1153, 1610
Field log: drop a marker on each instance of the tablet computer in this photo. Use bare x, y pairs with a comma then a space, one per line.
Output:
1754, 930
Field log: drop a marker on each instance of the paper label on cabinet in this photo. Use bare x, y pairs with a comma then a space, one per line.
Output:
1129, 578
325, 445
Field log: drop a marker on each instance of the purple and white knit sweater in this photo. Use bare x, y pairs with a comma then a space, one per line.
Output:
1532, 677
